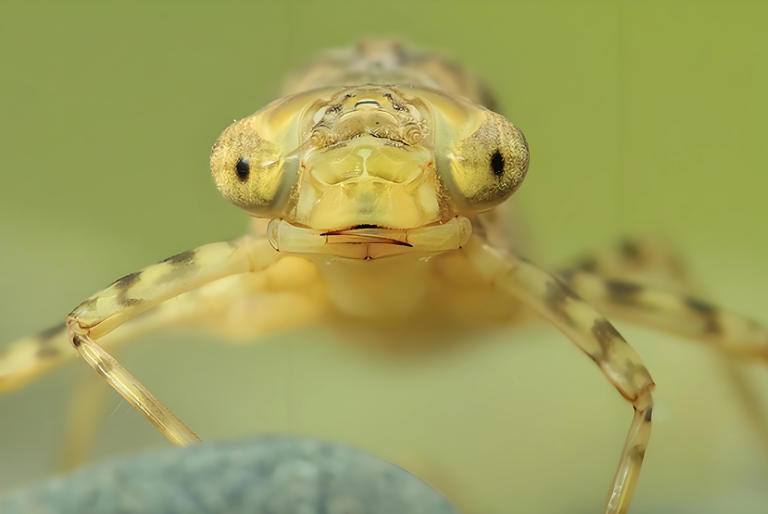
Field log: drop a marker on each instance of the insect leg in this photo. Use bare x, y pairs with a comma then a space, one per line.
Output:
141, 291
243, 306
674, 312
645, 259
595, 336
31, 357
239, 307
613, 280
25, 359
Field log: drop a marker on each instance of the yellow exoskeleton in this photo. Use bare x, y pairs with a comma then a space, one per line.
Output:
372, 183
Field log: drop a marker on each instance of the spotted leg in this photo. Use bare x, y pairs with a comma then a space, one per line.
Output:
608, 277
238, 307
652, 263
595, 336
141, 291
616, 281
285, 295
26, 359
674, 312
649, 260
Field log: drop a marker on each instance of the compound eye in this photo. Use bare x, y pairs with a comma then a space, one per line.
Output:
250, 171
484, 168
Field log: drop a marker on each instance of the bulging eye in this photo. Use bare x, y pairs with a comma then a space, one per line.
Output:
251, 171
255, 162
483, 168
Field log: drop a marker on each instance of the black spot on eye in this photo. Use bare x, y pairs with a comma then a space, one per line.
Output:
497, 163
243, 168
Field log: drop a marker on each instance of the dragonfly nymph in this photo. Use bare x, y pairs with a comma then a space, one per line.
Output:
373, 183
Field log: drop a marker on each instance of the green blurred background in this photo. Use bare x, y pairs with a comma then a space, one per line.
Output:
642, 116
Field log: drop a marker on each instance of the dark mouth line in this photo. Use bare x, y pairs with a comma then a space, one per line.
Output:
363, 226
338, 231
439, 236
377, 242
369, 239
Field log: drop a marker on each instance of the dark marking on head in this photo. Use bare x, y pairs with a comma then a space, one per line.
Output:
623, 292
606, 336
648, 414
53, 331
243, 168
76, 340
497, 163
707, 312
396, 106
181, 258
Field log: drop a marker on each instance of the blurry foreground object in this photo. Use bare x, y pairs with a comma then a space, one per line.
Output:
266, 475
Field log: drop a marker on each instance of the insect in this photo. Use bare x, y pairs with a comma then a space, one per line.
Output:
374, 183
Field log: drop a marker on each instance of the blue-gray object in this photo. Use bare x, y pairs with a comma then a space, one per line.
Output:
266, 475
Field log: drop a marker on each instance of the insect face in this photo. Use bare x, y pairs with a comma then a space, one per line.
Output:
349, 160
